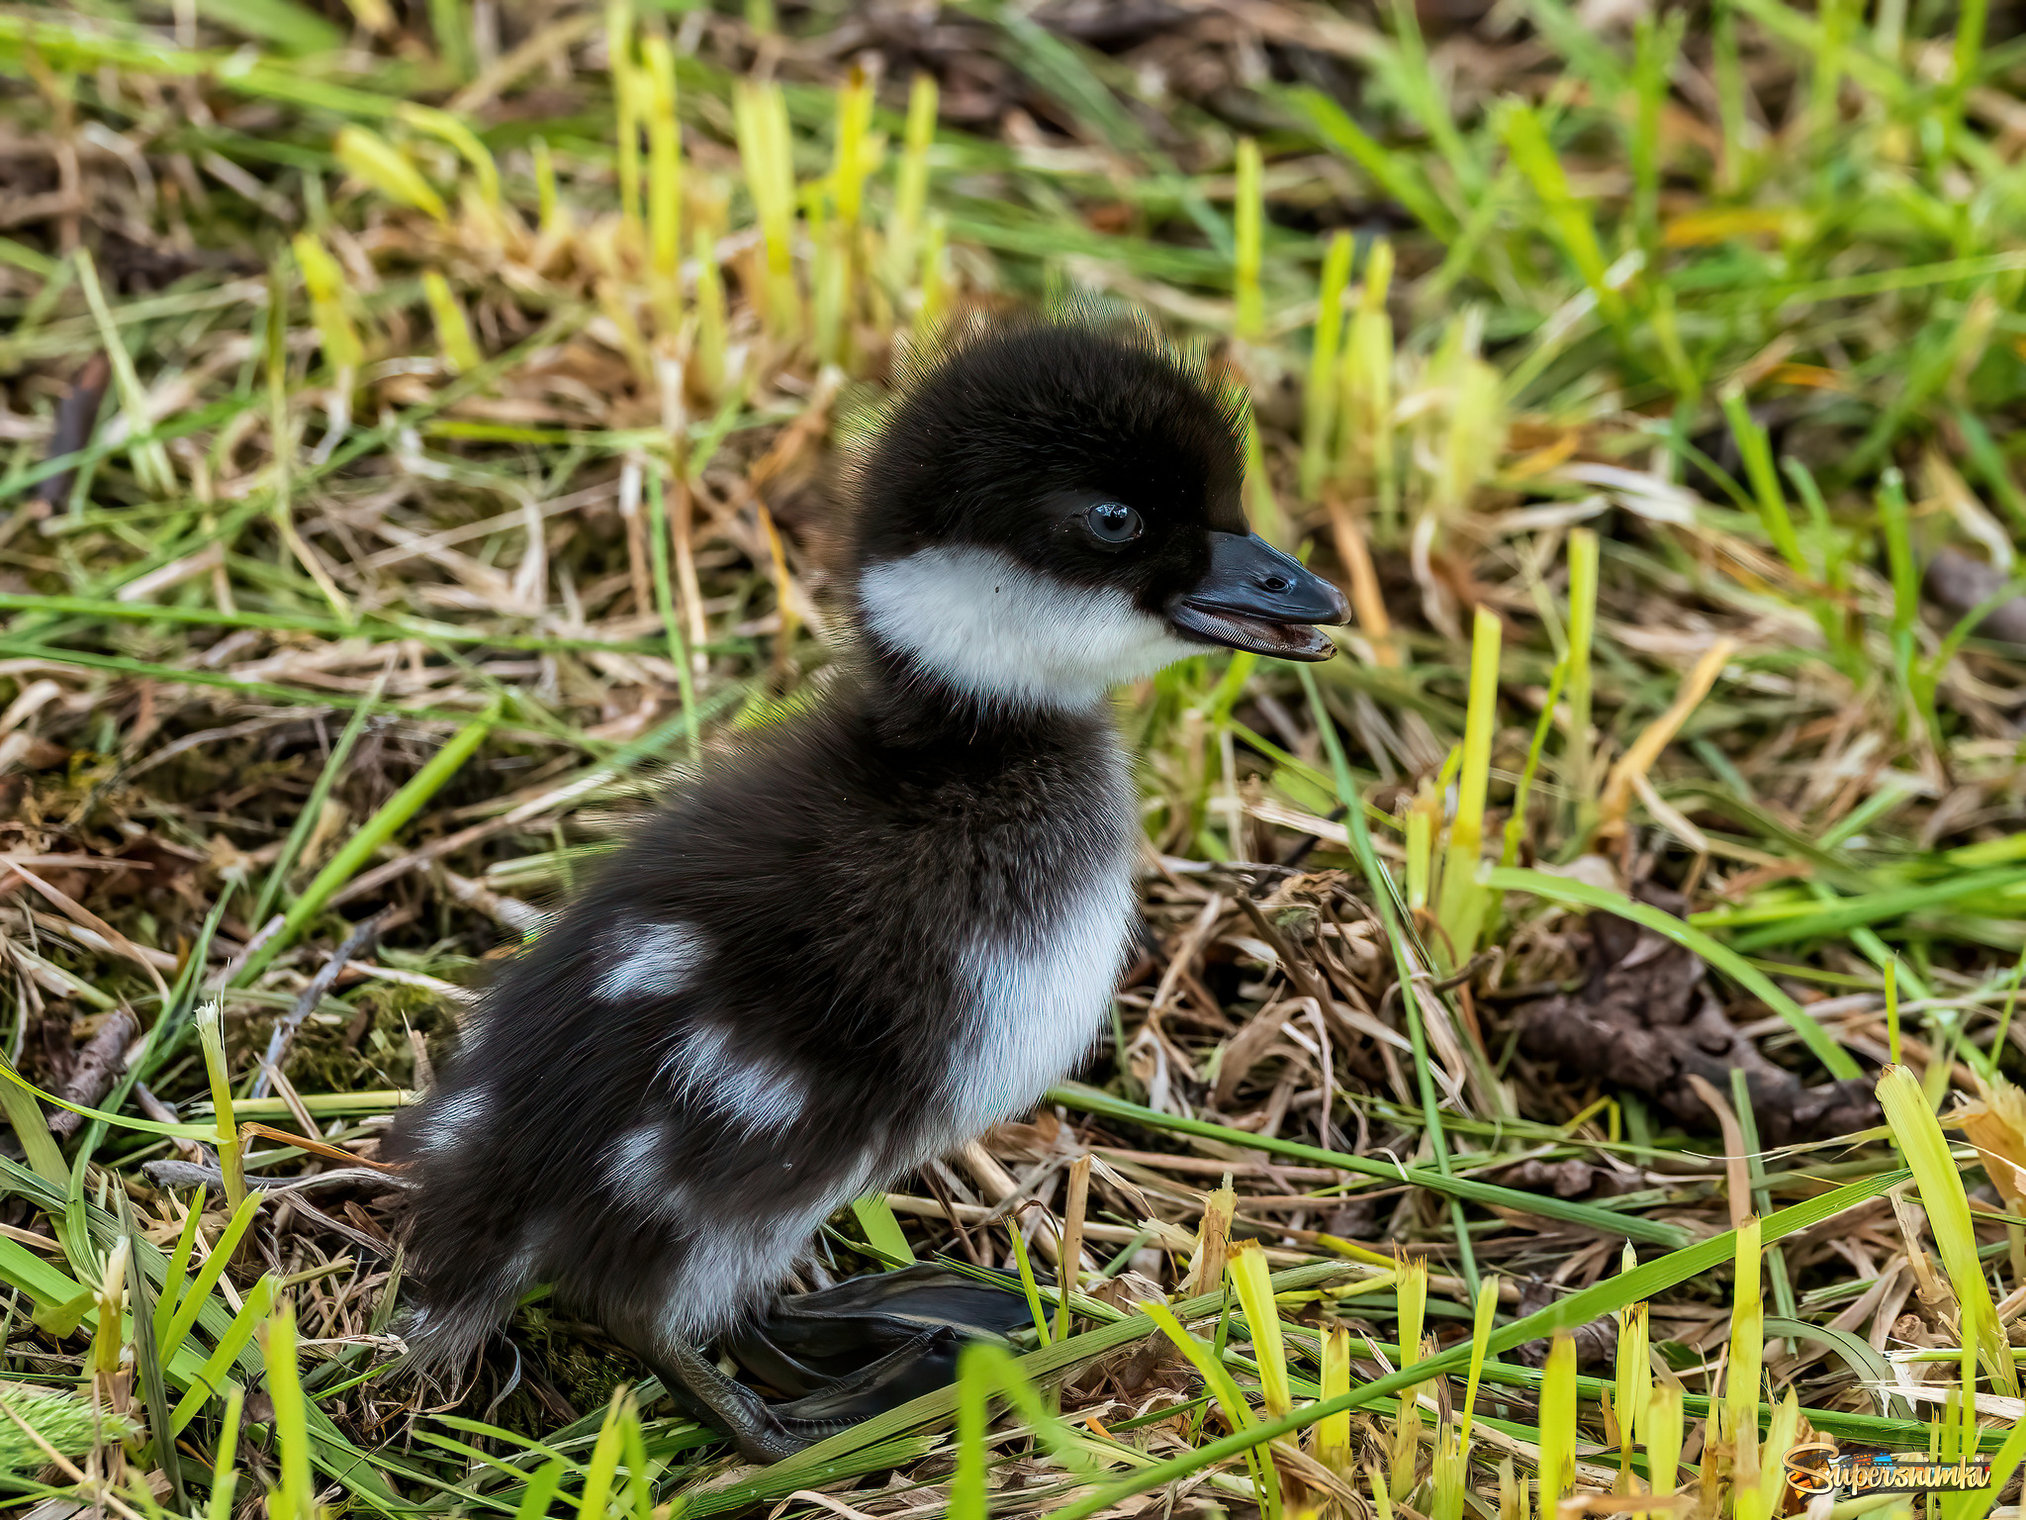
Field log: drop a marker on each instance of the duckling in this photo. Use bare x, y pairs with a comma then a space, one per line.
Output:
871, 931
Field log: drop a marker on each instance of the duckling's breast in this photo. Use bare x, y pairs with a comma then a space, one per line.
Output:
1035, 979
1038, 999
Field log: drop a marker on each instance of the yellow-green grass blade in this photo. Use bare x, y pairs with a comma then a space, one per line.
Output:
1027, 1284
290, 27
370, 157
1399, 175
1319, 399
1229, 1399
1249, 1277
1333, 1432
1980, 1502
141, 1291
1568, 217
17, 1102
967, 1485
604, 1464
224, 1473
1926, 1150
294, 1500
1747, 1353
198, 1293
179, 1266
1484, 1316
15, 1080
882, 1231
1662, 1432
1398, 926
1558, 1422
213, 1375
1462, 905
1606, 1297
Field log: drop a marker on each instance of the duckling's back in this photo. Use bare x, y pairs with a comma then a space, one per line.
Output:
848, 947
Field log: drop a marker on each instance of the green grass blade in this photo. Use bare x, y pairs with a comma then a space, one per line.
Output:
194, 1297
373, 833
218, 1366
1395, 173
604, 1464
1578, 894
1603, 1298
295, 1499
1920, 1140
224, 1474
1626, 1225
313, 805
882, 1231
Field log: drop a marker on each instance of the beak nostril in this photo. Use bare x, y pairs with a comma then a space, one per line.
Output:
1275, 583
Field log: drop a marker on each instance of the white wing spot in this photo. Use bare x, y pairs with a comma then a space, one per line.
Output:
636, 1161
449, 1123
999, 631
651, 960
759, 1092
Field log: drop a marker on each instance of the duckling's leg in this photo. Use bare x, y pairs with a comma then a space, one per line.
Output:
711, 1398
845, 1354
693, 1380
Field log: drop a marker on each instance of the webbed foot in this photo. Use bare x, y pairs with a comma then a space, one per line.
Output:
842, 1355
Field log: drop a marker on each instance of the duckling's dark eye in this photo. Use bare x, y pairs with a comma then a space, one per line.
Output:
1113, 523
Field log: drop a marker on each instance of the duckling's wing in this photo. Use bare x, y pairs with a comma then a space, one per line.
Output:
636, 1115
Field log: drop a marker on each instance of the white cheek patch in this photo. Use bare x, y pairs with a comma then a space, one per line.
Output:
997, 630
753, 1091
651, 960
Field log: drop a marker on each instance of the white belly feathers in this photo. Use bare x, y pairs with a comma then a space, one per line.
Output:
1038, 998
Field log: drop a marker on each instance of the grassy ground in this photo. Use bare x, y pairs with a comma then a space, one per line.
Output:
420, 434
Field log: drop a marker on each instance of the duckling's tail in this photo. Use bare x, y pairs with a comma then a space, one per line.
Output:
445, 1338
459, 1240
460, 1291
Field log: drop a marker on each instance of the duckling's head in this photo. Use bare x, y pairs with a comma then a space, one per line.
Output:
1051, 508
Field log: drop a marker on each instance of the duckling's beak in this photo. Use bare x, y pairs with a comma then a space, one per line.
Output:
1258, 599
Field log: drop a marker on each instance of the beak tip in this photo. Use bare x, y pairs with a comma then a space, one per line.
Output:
1258, 598
1332, 607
